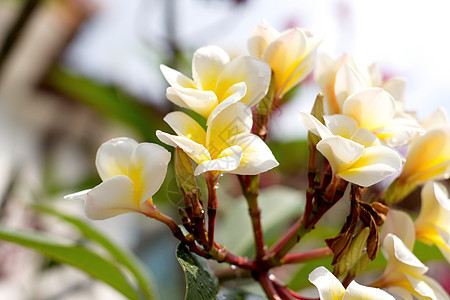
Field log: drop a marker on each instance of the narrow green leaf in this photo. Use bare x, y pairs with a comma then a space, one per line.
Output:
122, 255
234, 294
201, 284
74, 255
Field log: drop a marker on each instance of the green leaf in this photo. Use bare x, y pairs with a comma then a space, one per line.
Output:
201, 284
234, 294
74, 255
122, 255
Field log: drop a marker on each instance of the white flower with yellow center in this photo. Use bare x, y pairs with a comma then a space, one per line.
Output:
330, 288
405, 274
355, 154
132, 173
218, 81
341, 77
433, 223
291, 54
227, 144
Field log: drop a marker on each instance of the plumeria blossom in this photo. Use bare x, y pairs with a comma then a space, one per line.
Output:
341, 77
428, 157
433, 223
227, 144
330, 288
218, 81
291, 54
131, 173
405, 274
375, 110
355, 154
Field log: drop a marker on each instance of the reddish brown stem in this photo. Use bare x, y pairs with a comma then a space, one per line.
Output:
268, 286
211, 182
250, 186
306, 256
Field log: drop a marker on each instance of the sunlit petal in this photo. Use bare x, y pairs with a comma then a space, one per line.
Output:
400, 224
257, 157
340, 152
196, 151
207, 64
228, 160
329, 287
261, 36
113, 157
347, 82
184, 125
355, 291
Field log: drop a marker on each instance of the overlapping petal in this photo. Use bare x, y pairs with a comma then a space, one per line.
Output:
218, 81
330, 288
291, 54
428, 157
132, 173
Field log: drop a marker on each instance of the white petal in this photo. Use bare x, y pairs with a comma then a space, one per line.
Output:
365, 137
314, 125
202, 102
110, 198
261, 36
233, 120
395, 250
257, 157
341, 125
435, 201
175, 78
329, 287
113, 157
373, 108
285, 53
428, 157
356, 291
196, 151
395, 87
148, 169
341, 153
229, 159
437, 118
304, 67
207, 64
254, 72
347, 82
400, 293
422, 288
184, 125
400, 224
237, 91
377, 163
438, 290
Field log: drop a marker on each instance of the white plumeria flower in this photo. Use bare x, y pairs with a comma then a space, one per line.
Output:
355, 154
428, 157
330, 288
291, 54
405, 274
375, 110
218, 81
132, 173
226, 146
433, 223
341, 77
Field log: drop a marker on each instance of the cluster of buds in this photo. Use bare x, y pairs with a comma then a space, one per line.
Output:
356, 126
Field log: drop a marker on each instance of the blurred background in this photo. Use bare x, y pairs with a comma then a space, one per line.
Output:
75, 73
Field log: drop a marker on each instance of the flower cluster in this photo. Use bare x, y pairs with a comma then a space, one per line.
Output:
357, 126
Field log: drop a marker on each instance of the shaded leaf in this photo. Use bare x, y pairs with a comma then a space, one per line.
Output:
122, 255
201, 284
74, 255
